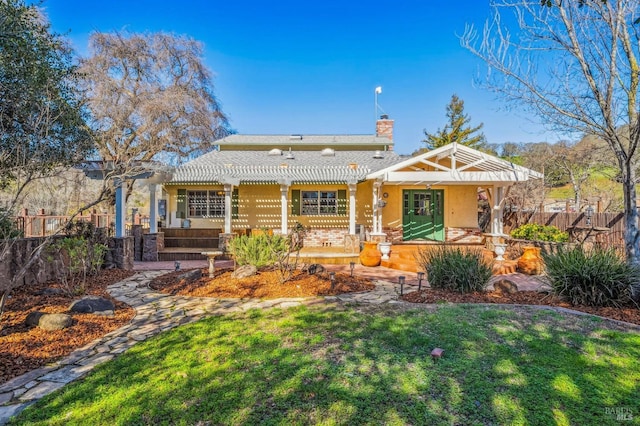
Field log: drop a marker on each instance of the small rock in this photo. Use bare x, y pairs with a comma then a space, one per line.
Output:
244, 271
90, 304
49, 322
505, 286
191, 275
437, 353
315, 268
51, 292
33, 318
108, 313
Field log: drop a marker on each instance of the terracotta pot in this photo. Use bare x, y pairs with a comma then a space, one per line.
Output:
370, 255
531, 262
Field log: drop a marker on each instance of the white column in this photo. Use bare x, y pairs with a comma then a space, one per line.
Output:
500, 198
228, 190
376, 185
497, 197
284, 211
380, 210
352, 208
121, 207
153, 209
377, 211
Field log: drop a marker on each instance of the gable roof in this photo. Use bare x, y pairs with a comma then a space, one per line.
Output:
454, 164
265, 167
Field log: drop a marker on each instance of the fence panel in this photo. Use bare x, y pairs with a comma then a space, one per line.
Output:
614, 222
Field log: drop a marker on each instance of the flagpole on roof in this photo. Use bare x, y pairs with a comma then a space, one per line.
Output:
375, 102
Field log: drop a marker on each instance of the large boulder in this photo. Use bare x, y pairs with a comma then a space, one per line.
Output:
49, 322
89, 304
244, 271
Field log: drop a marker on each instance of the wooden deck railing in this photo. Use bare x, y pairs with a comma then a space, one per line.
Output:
42, 225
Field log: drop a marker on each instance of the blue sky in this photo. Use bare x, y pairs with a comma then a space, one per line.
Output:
311, 67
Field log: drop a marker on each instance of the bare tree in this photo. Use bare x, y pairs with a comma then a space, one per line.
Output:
576, 164
526, 197
151, 98
575, 65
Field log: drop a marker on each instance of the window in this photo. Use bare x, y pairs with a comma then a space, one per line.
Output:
205, 203
319, 203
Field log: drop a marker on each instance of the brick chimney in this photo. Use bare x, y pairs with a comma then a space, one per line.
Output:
384, 129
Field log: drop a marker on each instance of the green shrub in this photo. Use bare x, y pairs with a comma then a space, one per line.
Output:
598, 277
535, 232
8, 228
257, 250
76, 258
451, 268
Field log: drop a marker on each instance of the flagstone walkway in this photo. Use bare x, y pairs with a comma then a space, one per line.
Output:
158, 312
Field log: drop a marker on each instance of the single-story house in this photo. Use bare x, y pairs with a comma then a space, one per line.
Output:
340, 187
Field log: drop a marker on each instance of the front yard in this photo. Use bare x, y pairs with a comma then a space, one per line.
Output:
365, 365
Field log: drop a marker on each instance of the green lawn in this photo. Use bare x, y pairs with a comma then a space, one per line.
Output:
368, 366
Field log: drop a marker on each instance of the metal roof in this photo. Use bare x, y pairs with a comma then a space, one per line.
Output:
263, 167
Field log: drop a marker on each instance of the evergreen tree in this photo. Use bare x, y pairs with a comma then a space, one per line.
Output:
457, 129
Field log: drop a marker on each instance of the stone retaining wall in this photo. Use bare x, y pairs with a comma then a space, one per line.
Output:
19, 253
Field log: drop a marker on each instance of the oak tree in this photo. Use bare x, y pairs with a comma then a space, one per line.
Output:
42, 128
151, 98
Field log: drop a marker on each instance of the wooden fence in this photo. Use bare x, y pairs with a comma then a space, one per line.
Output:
609, 225
42, 225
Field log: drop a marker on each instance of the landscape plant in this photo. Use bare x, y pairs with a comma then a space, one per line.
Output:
79, 254
287, 257
454, 268
596, 277
537, 232
258, 250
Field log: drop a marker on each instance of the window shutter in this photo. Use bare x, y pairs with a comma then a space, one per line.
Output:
181, 211
295, 202
235, 201
342, 202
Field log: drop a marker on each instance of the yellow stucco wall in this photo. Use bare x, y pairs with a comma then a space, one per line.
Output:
259, 206
460, 205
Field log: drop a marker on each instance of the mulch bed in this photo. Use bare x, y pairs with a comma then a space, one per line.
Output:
629, 314
266, 284
24, 348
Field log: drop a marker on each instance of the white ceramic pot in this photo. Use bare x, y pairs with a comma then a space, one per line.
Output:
499, 250
385, 249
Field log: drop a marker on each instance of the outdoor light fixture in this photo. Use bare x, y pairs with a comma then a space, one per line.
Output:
401, 281
420, 278
332, 277
589, 214
177, 265
352, 265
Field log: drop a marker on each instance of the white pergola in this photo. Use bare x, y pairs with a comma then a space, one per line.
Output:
454, 164
152, 173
